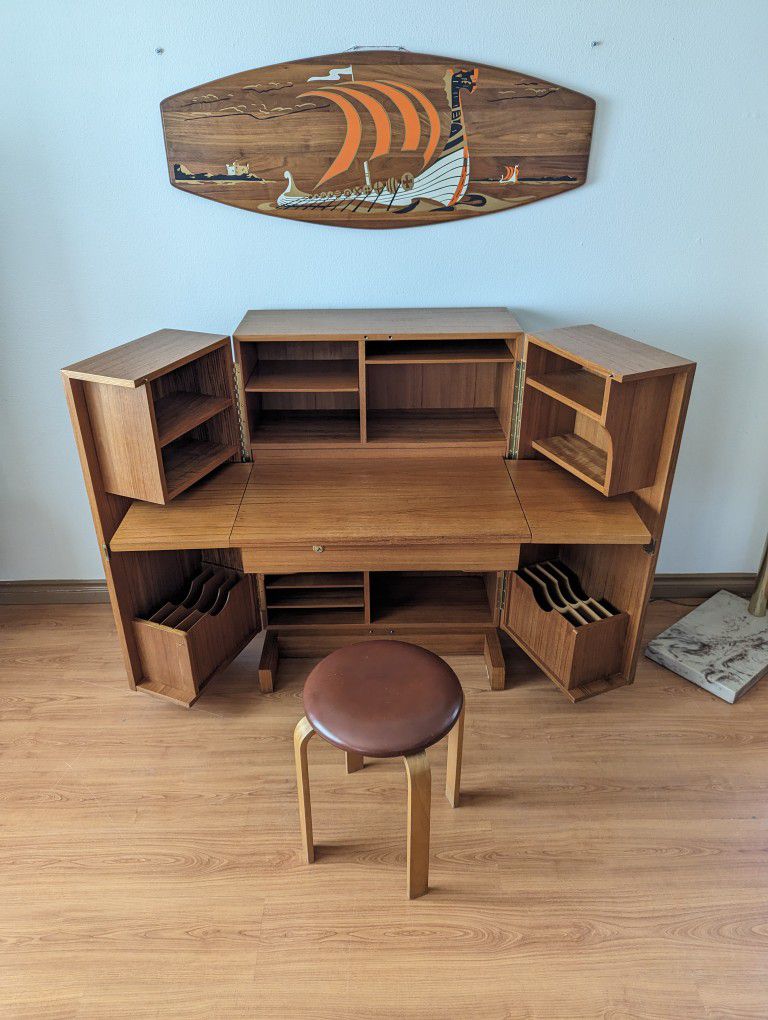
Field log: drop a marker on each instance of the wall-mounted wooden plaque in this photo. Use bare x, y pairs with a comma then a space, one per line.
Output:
377, 138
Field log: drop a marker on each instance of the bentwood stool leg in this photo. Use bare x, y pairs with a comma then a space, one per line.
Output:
354, 761
419, 798
301, 738
453, 771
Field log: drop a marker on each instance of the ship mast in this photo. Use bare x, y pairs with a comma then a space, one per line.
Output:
366, 168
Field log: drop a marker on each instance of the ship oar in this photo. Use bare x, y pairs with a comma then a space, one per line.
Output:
394, 194
381, 192
365, 199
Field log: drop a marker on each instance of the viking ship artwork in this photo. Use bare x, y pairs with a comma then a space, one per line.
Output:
380, 138
444, 181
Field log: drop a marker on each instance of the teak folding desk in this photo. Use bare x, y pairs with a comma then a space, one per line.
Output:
378, 472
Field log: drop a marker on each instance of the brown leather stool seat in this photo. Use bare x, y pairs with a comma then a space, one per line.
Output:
385, 699
382, 698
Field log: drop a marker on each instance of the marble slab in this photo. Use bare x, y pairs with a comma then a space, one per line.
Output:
718, 646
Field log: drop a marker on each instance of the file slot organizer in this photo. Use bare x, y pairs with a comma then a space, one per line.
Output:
561, 589
193, 634
295, 599
572, 644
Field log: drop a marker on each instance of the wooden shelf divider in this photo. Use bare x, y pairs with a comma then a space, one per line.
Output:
435, 426
583, 391
305, 429
181, 412
332, 617
575, 454
350, 579
455, 352
191, 459
316, 598
334, 375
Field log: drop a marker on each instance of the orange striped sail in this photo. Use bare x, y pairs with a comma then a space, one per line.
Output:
402, 98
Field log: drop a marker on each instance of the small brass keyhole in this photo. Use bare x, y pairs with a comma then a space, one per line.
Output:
318, 548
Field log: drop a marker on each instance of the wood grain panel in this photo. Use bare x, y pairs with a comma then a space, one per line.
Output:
142, 360
377, 138
197, 519
607, 859
610, 354
401, 556
125, 435
559, 508
378, 324
325, 498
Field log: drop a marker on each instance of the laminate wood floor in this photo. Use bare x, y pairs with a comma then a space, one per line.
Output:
608, 859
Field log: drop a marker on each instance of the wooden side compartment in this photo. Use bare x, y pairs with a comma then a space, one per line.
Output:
602, 422
572, 655
187, 638
162, 412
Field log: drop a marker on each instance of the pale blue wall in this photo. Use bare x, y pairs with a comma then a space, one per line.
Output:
667, 242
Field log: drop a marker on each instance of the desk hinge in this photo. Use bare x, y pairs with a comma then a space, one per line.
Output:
245, 452
502, 592
517, 409
105, 550
650, 547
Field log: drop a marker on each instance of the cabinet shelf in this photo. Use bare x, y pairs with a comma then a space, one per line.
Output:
313, 617
577, 455
187, 460
403, 598
305, 428
181, 412
336, 375
436, 427
353, 579
584, 391
317, 598
451, 353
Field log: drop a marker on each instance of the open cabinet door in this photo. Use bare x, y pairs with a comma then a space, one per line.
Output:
607, 412
193, 428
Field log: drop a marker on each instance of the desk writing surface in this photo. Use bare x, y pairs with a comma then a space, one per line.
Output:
371, 500
560, 508
374, 500
200, 518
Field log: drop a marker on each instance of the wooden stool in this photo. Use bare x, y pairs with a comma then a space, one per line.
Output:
385, 699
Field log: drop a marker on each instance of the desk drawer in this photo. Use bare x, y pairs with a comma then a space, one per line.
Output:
308, 557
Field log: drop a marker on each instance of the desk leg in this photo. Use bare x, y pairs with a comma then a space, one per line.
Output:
494, 660
268, 663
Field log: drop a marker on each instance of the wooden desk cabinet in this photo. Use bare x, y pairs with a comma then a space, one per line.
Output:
385, 472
